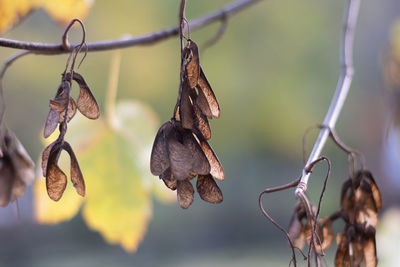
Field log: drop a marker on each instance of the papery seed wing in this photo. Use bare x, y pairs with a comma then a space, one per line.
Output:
366, 212
216, 169
180, 159
200, 161
76, 174
51, 123
375, 190
71, 110
193, 66
208, 189
185, 193
45, 157
325, 234
186, 108
201, 122
342, 258
56, 180
347, 197
57, 106
357, 254
202, 103
6, 180
296, 229
159, 161
369, 252
87, 104
168, 179
205, 87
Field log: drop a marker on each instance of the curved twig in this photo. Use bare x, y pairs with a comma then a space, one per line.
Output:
314, 218
277, 225
218, 35
342, 88
150, 38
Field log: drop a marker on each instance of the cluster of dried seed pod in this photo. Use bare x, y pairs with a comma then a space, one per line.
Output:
16, 169
180, 150
360, 202
62, 109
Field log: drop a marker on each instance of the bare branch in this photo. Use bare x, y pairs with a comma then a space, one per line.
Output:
342, 88
147, 39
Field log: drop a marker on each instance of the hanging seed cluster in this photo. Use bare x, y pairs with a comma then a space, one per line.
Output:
360, 202
181, 150
62, 109
16, 169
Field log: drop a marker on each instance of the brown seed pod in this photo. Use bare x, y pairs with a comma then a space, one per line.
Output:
76, 174
192, 67
207, 101
185, 193
57, 108
86, 103
208, 189
159, 161
16, 168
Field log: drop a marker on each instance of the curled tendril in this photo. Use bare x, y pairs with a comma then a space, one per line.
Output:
65, 43
277, 225
221, 31
354, 156
313, 216
309, 210
77, 49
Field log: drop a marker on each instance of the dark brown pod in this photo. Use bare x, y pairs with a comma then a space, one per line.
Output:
159, 160
208, 189
185, 193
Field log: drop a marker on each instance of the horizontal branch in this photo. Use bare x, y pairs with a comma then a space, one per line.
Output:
150, 38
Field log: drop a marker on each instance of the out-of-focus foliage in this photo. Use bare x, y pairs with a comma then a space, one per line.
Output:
62, 11
114, 157
388, 236
391, 74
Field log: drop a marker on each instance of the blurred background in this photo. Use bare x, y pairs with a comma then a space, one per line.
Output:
274, 73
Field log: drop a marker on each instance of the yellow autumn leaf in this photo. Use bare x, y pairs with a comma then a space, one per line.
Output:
113, 157
62, 11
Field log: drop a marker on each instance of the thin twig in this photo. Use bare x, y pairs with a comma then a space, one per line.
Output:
342, 88
147, 39
314, 218
218, 35
277, 225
